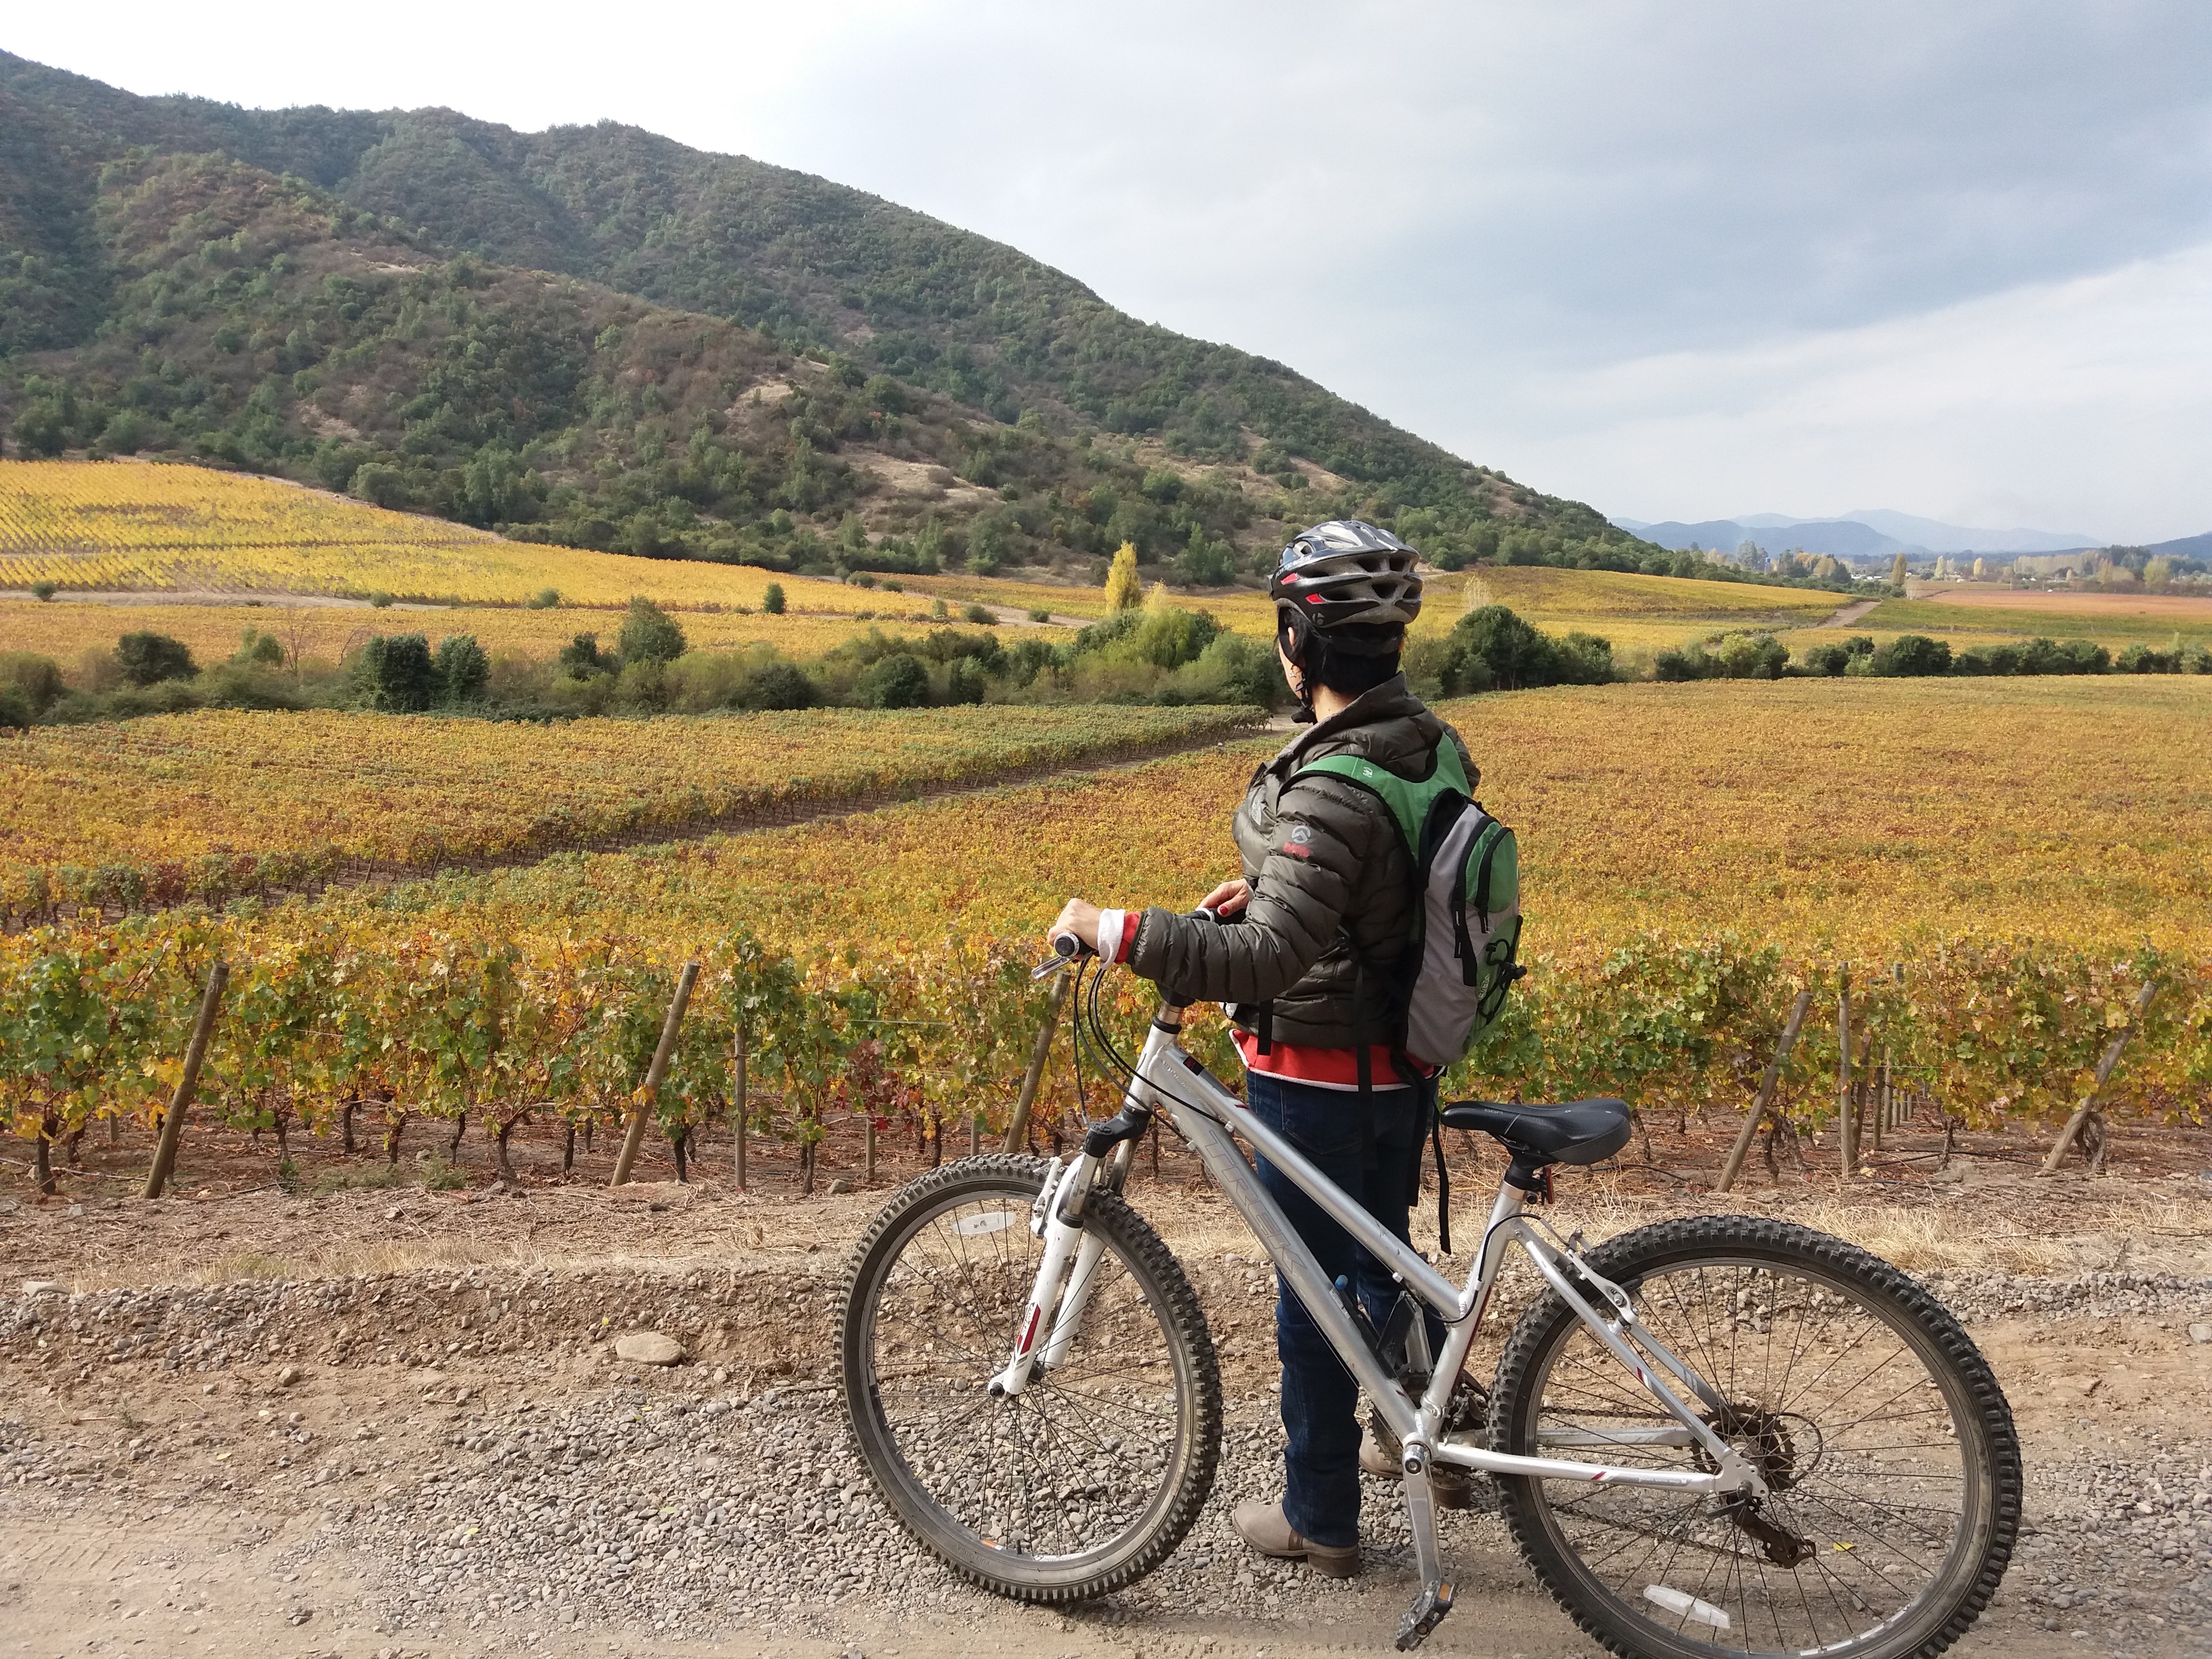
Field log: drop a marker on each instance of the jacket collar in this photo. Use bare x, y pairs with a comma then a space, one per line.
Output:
1387, 701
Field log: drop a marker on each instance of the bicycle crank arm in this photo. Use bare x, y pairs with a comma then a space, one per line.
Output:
1436, 1597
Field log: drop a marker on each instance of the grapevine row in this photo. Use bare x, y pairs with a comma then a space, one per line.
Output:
333, 1012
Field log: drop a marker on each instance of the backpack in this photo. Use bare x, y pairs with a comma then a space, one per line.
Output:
1461, 962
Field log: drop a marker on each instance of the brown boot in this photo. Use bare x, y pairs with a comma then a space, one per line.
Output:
1451, 1487
1261, 1524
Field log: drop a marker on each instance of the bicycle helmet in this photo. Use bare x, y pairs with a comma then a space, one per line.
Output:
1346, 574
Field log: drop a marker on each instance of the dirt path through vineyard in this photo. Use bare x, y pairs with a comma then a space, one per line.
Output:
455, 1430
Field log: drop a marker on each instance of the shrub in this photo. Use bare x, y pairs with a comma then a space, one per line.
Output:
42, 590
898, 681
463, 667
1913, 656
37, 679
650, 634
1039, 614
398, 674
964, 680
771, 601
580, 656
258, 647
778, 685
379, 485
380, 600
15, 708
1838, 658
1492, 648
2140, 659
544, 598
982, 614
148, 659
2042, 656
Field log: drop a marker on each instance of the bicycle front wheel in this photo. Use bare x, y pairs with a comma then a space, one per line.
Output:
1087, 1479
1893, 1468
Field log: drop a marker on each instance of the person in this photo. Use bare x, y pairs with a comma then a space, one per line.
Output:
1308, 962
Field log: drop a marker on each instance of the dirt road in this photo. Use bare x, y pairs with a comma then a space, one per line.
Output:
425, 1445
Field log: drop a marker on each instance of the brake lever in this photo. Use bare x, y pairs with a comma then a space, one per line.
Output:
1066, 951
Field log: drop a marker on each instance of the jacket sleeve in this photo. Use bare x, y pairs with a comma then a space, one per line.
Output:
1320, 839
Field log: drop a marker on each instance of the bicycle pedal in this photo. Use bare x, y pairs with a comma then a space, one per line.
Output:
1427, 1612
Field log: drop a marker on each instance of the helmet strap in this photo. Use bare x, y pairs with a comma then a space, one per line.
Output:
1294, 635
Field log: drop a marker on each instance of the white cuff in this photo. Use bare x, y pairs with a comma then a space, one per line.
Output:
1112, 924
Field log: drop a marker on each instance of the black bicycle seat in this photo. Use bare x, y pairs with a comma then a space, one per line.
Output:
1579, 1131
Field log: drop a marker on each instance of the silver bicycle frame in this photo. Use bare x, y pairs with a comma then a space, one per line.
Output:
1171, 1083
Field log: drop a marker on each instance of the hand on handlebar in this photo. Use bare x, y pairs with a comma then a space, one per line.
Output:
1073, 935
1229, 899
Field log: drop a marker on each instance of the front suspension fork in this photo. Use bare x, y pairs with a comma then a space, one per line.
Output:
1063, 1278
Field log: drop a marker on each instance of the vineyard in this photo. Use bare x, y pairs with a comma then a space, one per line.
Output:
1924, 843
2054, 615
211, 804
129, 525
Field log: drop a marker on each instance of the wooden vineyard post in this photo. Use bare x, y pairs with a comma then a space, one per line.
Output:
173, 1121
1847, 1124
654, 1074
975, 1133
1863, 1095
1017, 1126
1881, 1099
740, 1103
1763, 1100
868, 1147
2104, 1069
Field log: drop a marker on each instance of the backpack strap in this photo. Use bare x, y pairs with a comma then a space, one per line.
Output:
1362, 1060
1444, 1176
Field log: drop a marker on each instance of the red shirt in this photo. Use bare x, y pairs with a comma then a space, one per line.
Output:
1321, 1068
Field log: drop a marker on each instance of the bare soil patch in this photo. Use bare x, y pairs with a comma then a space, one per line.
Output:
2084, 605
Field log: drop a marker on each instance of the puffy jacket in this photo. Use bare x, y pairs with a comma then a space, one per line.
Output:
1332, 886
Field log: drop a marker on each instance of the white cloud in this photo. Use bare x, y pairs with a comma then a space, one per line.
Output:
1631, 250
2085, 402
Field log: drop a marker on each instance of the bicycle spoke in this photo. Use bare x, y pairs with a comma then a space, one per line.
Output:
1079, 1458
1820, 1385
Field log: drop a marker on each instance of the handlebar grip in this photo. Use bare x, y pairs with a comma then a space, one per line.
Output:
1068, 947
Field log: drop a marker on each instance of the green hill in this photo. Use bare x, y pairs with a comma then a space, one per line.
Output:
594, 335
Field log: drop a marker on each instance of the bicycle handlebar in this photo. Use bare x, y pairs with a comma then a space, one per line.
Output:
1066, 949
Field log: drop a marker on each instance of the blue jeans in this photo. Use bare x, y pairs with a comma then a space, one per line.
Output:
1321, 1402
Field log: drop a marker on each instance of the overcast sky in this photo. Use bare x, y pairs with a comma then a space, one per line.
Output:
1679, 260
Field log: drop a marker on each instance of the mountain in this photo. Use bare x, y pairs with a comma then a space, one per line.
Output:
1843, 539
1938, 537
597, 336
1874, 533
2185, 547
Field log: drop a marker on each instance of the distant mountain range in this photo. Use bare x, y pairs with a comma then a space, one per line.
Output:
1876, 533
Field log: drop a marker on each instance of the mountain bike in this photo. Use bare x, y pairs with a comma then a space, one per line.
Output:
1723, 1435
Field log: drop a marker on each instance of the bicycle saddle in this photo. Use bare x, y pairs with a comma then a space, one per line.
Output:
1579, 1131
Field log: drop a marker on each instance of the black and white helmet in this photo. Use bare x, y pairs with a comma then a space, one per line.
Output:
1346, 574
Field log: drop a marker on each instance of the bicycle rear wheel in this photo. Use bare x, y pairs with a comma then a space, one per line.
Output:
1893, 1466
1087, 1480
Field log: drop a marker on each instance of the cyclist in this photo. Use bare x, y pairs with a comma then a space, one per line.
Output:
1308, 963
